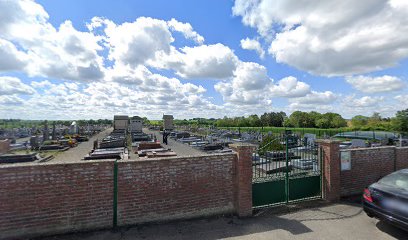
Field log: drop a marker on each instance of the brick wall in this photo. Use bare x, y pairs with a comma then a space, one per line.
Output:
48, 198
370, 164
401, 154
54, 198
174, 188
331, 171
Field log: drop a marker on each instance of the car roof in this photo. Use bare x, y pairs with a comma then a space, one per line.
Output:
403, 170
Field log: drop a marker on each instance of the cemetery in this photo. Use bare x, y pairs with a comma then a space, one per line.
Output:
131, 139
42, 143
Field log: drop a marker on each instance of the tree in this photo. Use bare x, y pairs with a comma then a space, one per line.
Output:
254, 121
400, 121
359, 121
338, 122
323, 123
301, 119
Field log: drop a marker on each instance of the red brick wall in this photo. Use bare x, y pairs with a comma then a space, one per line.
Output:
331, 171
49, 198
52, 198
174, 188
367, 166
402, 157
243, 181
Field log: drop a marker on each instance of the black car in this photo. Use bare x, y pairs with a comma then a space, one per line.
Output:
387, 199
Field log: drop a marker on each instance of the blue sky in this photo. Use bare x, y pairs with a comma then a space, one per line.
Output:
93, 59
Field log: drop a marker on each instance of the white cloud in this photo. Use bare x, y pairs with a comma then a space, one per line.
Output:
11, 59
252, 85
402, 101
380, 84
317, 98
314, 101
402, 98
363, 102
23, 20
250, 76
63, 53
186, 29
330, 37
11, 100
136, 42
247, 86
41, 84
290, 87
253, 44
215, 61
12, 85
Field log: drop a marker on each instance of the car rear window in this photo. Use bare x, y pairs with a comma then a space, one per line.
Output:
398, 180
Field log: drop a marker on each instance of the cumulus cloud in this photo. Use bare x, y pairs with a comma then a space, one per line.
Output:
215, 61
63, 53
318, 98
13, 85
252, 85
380, 84
247, 86
290, 87
11, 59
402, 100
330, 38
148, 42
133, 43
11, 100
363, 102
253, 44
186, 29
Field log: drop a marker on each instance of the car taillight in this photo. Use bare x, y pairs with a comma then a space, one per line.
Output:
367, 195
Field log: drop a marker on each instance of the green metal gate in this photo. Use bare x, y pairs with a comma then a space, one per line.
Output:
286, 169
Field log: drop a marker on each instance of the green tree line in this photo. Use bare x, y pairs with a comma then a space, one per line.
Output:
300, 119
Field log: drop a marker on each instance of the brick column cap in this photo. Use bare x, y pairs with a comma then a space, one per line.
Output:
241, 146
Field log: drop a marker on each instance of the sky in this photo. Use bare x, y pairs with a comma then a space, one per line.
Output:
73, 59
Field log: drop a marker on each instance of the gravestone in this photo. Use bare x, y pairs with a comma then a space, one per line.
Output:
34, 142
45, 131
356, 143
54, 135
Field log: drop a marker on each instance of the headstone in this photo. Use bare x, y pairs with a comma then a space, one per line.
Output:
54, 134
34, 142
355, 143
45, 131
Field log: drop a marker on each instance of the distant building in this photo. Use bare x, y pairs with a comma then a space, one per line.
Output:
120, 122
168, 122
136, 124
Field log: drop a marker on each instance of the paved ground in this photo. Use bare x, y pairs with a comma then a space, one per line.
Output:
77, 153
336, 221
180, 148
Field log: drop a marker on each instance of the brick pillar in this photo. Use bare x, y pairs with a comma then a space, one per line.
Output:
243, 179
331, 171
